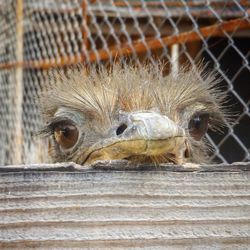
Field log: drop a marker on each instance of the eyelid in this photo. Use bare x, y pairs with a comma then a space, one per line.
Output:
60, 120
69, 114
50, 127
200, 113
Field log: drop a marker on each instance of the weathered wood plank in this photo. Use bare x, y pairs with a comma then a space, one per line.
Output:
64, 206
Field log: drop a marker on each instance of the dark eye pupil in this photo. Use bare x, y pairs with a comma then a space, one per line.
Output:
66, 131
196, 122
198, 126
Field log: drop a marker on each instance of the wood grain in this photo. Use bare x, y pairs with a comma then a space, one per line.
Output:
64, 206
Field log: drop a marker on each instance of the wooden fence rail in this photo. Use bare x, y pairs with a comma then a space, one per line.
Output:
138, 46
63, 207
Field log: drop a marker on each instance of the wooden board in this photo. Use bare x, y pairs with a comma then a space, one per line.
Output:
65, 207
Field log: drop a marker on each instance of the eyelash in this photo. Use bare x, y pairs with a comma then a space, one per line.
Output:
49, 129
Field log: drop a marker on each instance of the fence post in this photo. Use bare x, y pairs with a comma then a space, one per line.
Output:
85, 44
18, 93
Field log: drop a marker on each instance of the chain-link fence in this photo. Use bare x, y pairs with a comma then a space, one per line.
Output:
36, 35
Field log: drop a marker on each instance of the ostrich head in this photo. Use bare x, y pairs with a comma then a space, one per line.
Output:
130, 113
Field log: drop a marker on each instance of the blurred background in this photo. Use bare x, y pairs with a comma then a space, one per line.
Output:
38, 35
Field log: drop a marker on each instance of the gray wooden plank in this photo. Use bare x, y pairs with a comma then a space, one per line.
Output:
65, 206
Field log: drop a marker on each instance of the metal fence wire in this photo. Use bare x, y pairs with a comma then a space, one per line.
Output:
36, 35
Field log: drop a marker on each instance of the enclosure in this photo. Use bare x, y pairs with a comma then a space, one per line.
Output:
39, 35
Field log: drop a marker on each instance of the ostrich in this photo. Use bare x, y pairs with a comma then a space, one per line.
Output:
129, 113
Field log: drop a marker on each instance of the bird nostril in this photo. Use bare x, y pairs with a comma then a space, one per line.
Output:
121, 129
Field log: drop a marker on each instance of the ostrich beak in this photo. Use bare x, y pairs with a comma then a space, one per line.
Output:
146, 134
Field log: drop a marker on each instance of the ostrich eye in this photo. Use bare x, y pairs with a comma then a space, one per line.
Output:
66, 135
198, 126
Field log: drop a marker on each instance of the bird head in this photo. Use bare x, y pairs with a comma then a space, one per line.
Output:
131, 113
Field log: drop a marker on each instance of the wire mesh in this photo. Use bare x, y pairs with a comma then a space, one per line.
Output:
37, 35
